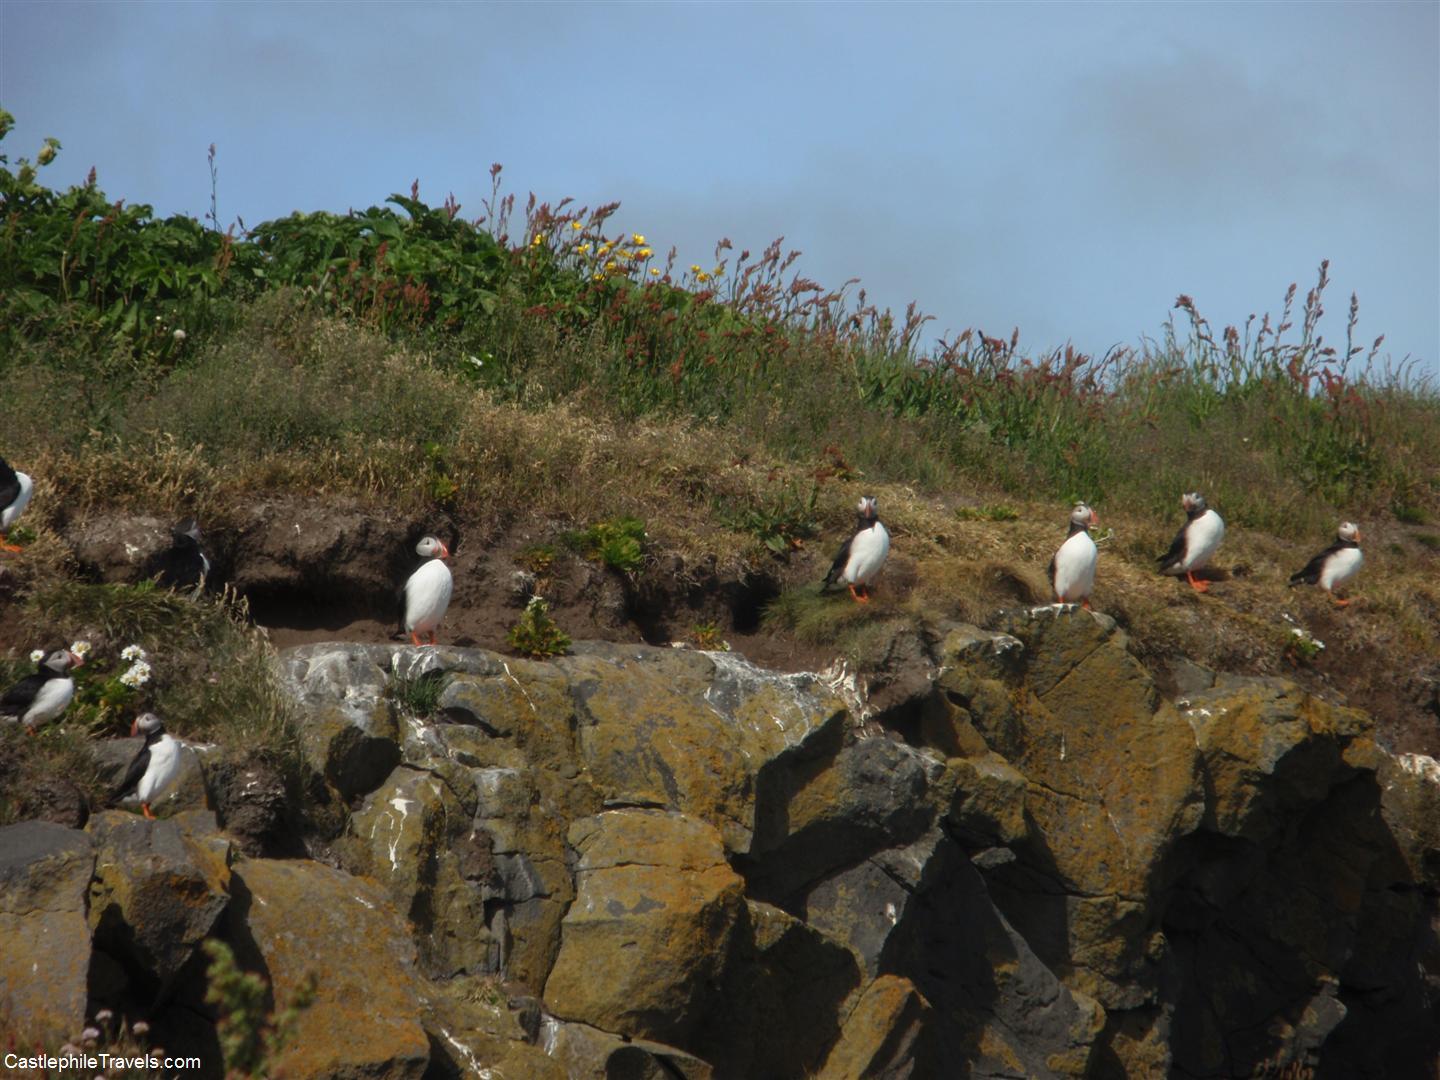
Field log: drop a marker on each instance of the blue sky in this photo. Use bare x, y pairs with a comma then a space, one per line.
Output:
1065, 168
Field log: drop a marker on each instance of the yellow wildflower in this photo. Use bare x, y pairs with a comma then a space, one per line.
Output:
576, 226
583, 249
655, 270
644, 253
636, 238
537, 241
605, 247
695, 268
702, 276
610, 265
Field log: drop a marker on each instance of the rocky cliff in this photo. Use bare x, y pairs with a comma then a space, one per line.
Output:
659, 863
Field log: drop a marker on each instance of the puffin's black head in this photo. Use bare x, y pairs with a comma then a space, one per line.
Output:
432, 547
185, 531
1194, 503
867, 508
1349, 532
59, 661
1083, 516
147, 724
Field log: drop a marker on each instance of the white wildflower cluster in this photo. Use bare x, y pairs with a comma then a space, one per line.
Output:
137, 676
37, 655
1307, 638
80, 648
133, 652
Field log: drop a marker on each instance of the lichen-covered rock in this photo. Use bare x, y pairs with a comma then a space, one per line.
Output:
44, 878
251, 801
1270, 751
160, 887
292, 919
1112, 781
833, 809
348, 727
798, 987
400, 837
582, 1052
656, 910
989, 802
691, 732
885, 1037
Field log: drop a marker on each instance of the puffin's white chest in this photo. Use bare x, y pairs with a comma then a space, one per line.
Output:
1075, 568
1202, 538
52, 700
163, 768
868, 551
1340, 568
22, 500
427, 595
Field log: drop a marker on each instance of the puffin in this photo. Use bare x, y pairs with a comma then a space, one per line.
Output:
1072, 568
39, 698
15, 492
154, 765
1336, 565
1195, 542
183, 564
426, 592
863, 555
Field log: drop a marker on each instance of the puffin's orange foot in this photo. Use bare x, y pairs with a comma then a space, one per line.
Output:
415, 639
1196, 583
10, 548
1339, 602
145, 809
432, 639
1086, 605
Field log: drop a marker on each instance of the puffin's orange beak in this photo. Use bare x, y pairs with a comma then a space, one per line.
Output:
1094, 518
134, 727
444, 551
76, 660
1357, 536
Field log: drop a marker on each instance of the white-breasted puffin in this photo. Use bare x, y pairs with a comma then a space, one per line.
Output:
39, 698
154, 766
1196, 541
183, 564
427, 591
1072, 568
863, 554
15, 492
1336, 565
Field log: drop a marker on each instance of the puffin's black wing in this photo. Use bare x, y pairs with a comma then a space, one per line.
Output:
9, 484
21, 696
838, 566
1311, 574
138, 765
1177, 548
1051, 572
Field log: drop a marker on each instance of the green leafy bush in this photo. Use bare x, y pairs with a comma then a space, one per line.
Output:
536, 634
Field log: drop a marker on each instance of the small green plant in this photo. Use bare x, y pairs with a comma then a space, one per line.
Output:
539, 559
710, 637
418, 695
619, 544
987, 513
250, 1039
1303, 647
780, 518
536, 634
21, 535
443, 487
